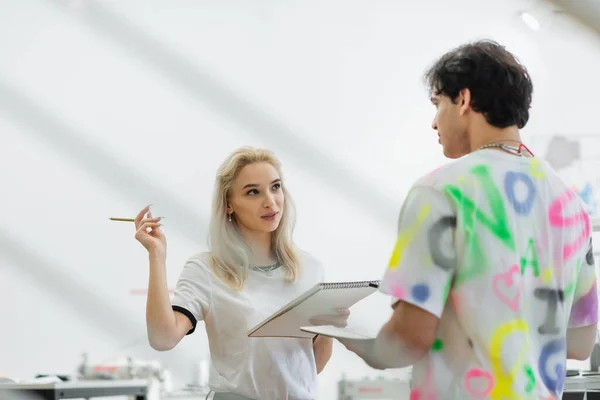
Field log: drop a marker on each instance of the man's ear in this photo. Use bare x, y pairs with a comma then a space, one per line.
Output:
464, 101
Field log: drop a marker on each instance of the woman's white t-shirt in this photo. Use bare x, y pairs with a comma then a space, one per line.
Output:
258, 368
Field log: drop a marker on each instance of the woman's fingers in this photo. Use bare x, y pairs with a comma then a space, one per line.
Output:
140, 215
340, 322
148, 225
335, 320
157, 219
344, 312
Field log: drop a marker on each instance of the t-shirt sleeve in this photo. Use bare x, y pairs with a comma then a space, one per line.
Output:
314, 267
193, 291
584, 311
423, 262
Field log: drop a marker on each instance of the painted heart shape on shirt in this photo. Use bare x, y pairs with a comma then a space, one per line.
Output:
479, 383
503, 282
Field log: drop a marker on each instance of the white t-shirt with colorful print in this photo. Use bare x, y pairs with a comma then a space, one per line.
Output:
499, 249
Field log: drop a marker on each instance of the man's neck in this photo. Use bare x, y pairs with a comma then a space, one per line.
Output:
490, 134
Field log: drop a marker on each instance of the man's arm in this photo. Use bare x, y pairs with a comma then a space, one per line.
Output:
419, 278
583, 320
580, 342
398, 344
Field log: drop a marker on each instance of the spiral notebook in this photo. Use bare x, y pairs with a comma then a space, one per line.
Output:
321, 299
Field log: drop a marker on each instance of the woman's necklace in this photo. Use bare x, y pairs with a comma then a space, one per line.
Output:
267, 268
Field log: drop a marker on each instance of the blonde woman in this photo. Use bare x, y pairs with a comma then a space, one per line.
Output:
252, 269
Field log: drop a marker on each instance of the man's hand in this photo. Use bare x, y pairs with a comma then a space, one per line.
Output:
365, 349
353, 345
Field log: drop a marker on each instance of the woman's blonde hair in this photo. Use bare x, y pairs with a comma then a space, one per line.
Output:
230, 252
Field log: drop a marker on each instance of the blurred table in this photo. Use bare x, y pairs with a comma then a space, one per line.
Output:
582, 387
186, 395
136, 389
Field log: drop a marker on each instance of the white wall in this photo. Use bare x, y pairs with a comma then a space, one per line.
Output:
104, 109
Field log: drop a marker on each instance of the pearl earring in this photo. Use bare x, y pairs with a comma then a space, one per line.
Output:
229, 217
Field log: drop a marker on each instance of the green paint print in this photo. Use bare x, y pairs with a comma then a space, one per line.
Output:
438, 345
570, 289
447, 288
530, 378
531, 259
469, 213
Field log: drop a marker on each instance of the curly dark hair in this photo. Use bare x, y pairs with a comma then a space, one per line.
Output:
500, 86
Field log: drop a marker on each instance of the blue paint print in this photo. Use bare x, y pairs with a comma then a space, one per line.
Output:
587, 195
554, 347
420, 292
510, 180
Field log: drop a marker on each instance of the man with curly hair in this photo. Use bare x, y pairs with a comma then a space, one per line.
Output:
492, 276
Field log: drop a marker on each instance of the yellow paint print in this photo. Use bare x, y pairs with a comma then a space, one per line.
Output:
503, 388
407, 236
547, 275
535, 168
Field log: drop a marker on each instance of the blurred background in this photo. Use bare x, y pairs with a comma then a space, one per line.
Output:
106, 106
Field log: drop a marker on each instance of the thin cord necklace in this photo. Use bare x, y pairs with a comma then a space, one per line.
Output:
515, 150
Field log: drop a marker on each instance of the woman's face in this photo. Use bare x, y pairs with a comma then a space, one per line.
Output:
256, 200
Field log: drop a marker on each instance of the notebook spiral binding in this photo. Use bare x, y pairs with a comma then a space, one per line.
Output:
350, 285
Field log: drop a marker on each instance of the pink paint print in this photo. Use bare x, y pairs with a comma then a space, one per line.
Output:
505, 281
555, 215
478, 383
397, 292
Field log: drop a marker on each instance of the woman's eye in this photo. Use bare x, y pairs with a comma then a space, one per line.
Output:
252, 192
277, 186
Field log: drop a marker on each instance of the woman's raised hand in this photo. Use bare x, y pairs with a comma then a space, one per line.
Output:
149, 233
